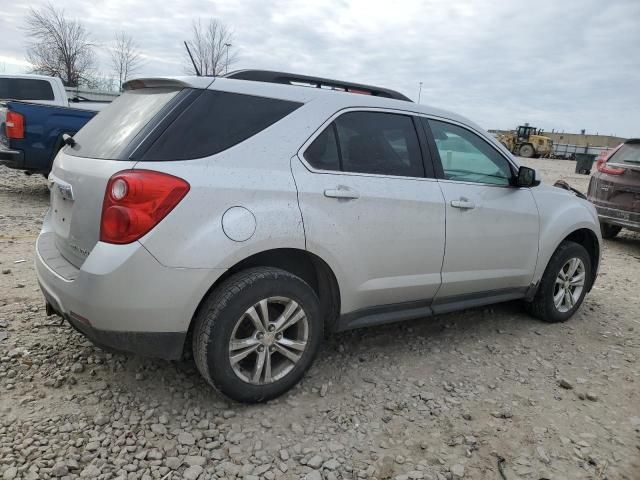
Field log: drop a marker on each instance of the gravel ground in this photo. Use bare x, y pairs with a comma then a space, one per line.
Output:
465, 395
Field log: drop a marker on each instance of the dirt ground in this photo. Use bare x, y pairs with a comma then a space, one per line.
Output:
465, 395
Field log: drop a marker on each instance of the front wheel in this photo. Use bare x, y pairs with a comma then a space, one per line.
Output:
563, 285
527, 151
257, 334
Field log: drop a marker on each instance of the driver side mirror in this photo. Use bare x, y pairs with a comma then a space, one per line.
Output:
527, 177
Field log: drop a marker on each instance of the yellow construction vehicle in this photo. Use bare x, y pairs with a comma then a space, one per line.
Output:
527, 142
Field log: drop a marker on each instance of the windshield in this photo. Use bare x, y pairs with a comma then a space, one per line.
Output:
109, 133
627, 153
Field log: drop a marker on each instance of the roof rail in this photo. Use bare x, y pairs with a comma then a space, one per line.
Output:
317, 82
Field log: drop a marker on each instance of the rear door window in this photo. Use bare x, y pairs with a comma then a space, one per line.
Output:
368, 142
216, 121
381, 143
108, 134
323, 152
25, 89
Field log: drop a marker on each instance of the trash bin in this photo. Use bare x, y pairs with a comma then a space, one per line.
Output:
584, 163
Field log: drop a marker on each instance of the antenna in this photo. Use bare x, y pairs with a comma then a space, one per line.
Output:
192, 60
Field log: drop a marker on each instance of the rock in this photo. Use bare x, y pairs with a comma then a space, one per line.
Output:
60, 469
155, 454
158, 429
543, 455
504, 413
297, 428
331, 464
564, 383
101, 419
10, 473
457, 471
92, 446
192, 460
323, 390
315, 461
173, 462
313, 475
185, 438
592, 396
90, 471
284, 455
77, 368
231, 469
6, 271
193, 472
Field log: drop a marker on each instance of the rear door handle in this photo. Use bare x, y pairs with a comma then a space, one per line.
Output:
463, 203
341, 192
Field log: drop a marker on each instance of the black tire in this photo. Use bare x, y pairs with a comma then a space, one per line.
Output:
609, 231
543, 306
527, 151
222, 309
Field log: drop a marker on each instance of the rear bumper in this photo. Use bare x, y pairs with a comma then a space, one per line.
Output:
12, 158
622, 218
122, 298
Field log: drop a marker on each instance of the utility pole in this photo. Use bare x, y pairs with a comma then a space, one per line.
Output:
419, 92
226, 65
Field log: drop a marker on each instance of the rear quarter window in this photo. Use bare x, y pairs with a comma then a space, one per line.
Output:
214, 122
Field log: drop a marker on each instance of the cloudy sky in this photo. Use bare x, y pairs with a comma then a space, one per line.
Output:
564, 65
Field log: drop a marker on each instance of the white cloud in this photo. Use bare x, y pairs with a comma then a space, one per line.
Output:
568, 65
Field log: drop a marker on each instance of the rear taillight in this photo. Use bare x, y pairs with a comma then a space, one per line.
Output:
14, 125
135, 201
604, 168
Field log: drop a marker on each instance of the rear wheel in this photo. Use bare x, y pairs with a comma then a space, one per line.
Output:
563, 285
257, 334
609, 231
527, 151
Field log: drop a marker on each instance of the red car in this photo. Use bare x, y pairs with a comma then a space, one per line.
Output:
615, 189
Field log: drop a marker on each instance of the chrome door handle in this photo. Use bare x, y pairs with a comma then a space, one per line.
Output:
463, 203
346, 193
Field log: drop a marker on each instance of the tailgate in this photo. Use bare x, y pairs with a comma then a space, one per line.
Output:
77, 186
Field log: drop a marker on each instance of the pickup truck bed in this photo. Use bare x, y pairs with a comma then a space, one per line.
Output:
44, 126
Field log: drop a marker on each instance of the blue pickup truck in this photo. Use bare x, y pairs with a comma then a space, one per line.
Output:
35, 114
33, 134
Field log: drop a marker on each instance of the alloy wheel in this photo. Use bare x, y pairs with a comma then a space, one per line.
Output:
268, 340
569, 285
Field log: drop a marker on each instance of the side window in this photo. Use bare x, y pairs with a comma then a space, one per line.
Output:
216, 121
323, 152
467, 157
381, 143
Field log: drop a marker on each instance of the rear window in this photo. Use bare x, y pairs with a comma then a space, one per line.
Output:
108, 134
25, 89
627, 153
214, 122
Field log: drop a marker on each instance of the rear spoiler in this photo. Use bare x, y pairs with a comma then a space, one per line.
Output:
168, 82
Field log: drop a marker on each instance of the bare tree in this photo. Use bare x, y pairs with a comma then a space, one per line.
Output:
211, 46
59, 47
125, 58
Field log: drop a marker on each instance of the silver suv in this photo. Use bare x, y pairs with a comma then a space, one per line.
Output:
247, 216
